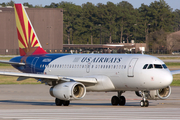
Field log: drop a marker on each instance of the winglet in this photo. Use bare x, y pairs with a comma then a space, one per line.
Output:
28, 41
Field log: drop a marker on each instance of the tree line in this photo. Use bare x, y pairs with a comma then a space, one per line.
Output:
116, 23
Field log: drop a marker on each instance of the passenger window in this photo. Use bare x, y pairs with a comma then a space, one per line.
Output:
164, 66
150, 66
158, 66
145, 66
106, 66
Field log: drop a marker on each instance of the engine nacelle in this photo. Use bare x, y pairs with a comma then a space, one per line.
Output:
160, 94
68, 91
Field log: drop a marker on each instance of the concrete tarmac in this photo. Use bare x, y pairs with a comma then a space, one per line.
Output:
32, 102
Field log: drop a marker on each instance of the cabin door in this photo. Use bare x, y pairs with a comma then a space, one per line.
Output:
33, 64
130, 72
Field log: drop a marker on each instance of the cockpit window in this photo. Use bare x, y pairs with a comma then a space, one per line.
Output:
158, 66
150, 66
164, 66
145, 66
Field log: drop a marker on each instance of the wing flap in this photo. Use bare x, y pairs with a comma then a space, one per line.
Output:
30, 75
84, 80
24, 76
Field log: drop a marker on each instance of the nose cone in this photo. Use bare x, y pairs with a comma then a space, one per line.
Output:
167, 78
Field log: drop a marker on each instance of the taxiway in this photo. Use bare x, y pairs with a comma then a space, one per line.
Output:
31, 102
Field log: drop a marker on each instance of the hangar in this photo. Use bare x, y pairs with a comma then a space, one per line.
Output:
47, 22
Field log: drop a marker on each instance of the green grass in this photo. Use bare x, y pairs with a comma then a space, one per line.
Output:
169, 58
175, 83
2, 64
5, 58
12, 80
172, 65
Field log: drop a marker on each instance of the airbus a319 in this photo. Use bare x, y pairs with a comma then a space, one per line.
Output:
72, 75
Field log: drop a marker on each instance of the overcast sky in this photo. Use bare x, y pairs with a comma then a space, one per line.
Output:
136, 3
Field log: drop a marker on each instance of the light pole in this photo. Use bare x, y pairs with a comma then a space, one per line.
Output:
100, 34
135, 32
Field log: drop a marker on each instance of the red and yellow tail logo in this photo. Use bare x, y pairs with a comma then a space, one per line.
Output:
28, 41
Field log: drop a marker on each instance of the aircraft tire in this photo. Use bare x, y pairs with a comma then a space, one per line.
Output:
122, 100
142, 103
66, 103
58, 102
114, 100
146, 103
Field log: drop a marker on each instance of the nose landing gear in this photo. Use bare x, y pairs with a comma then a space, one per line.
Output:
144, 102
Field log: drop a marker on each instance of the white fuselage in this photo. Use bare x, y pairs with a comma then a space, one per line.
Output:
113, 72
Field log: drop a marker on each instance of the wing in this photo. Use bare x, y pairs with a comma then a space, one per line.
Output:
23, 76
12, 63
173, 72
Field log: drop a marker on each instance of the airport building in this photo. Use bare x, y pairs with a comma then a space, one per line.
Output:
47, 22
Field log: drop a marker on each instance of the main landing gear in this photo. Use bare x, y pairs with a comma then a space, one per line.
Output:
144, 102
61, 102
118, 100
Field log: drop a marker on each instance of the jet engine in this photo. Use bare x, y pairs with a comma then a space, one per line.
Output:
159, 94
68, 91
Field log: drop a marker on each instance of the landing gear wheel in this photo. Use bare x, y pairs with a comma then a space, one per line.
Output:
66, 103
146, 103
114, 100
58, 102
142, 103
122, 100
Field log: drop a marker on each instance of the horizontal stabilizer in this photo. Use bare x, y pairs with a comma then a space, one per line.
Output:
12, 63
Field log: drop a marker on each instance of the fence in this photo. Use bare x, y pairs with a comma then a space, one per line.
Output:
16, 51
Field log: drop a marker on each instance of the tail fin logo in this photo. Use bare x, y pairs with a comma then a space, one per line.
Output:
28, 41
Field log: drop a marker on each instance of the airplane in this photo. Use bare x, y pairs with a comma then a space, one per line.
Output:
72, 75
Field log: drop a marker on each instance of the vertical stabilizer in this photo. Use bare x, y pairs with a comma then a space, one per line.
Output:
28, 41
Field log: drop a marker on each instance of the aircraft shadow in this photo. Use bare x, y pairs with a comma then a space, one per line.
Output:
28, 102
35, 103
